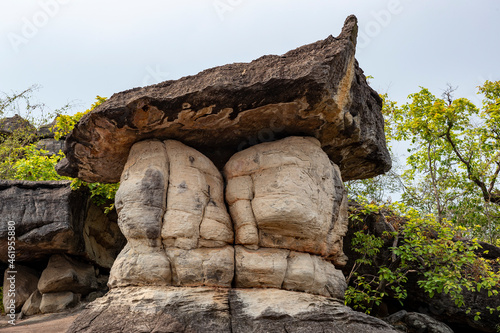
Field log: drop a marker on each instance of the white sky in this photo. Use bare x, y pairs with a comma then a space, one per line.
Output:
77, 49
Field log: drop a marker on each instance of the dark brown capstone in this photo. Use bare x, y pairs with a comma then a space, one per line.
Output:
315, 90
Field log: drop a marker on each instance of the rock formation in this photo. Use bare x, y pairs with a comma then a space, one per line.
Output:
51, 218
222, 310
61, 238
271, 263
10, 125
288, 194
48, 218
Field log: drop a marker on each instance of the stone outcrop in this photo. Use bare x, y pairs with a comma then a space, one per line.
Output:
414, 322
102, 237
171, 210
184, 309
288, 194
55, 302
51, 218
32, 304
315, 90
50, 145
48, 216
67, 274
62, 284
10, 125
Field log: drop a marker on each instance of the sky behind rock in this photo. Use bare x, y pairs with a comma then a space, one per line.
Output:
82, 48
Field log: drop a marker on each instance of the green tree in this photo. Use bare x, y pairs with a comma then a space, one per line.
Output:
20, 158
454, 159
421, 245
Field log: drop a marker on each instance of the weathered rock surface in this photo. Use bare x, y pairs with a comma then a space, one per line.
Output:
25, 281
46, 131
15, 123
32, 304
48, 216
413, 322
288, 194
102, 237
67, 274
315, 90
277, 268
54, 302
171, 210
51, 146
207, 310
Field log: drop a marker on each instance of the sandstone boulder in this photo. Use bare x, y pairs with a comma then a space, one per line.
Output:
277, 268
67, 274
26, 280
15, 123
315, 90
171, 210
288, 194
55, 302
414, 322
32, 304
48, 218
204, 310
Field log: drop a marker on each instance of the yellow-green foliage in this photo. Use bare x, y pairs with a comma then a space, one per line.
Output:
66, 123
21, 160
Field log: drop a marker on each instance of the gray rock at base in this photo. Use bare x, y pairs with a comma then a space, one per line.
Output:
414, 322
315, 90
32, 305
47, 131
48, 218
50, 145
15, 123
55, 302
208, 310
67, 274
25, 280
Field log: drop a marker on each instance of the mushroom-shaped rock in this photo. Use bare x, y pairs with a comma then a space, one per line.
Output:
315, 90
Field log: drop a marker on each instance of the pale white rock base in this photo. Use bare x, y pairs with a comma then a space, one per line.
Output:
221, 310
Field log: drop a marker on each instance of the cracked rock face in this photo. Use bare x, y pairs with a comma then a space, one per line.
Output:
171, 210
221, 310
316, 90
288, 194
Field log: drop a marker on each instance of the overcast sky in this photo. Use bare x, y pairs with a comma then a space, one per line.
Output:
77, 49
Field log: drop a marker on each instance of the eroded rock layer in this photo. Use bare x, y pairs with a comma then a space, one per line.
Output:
171, 209
315, 90
193, 310
287, 194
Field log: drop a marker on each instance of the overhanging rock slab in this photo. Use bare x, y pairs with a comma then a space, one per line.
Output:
315, 90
